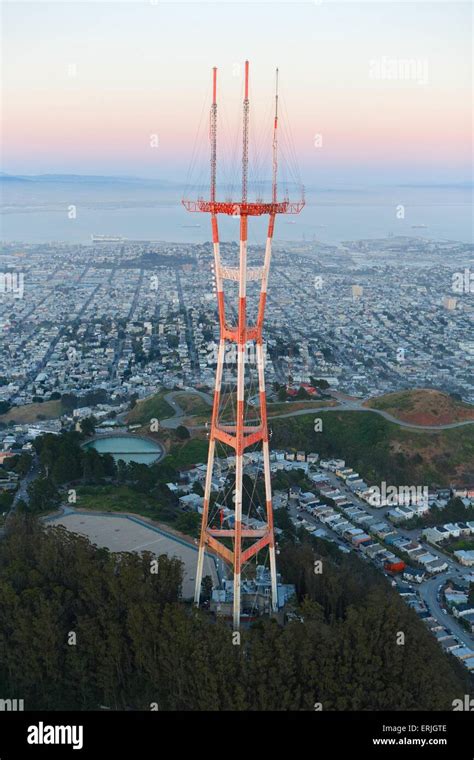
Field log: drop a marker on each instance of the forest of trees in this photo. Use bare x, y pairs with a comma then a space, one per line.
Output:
82, 628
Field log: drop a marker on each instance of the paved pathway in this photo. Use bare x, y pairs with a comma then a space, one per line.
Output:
179, 413
344, 405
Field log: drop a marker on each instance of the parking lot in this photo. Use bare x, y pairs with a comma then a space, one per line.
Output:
121, 533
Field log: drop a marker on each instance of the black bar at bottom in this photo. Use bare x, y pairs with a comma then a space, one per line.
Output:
135, 734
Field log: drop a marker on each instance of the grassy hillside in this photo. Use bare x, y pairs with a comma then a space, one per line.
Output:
112, 498
191, 452
191, 403
48, 410
154, 407
423, 407
252, 412
379, 449
285, 407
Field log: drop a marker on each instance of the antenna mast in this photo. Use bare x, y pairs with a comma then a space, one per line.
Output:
213, 135
245, 138
275, 143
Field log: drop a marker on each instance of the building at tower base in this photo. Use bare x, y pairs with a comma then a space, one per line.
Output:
256, 596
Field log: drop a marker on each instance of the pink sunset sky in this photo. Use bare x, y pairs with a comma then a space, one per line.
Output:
386, 86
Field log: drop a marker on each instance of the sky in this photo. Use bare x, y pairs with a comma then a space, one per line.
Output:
375, 92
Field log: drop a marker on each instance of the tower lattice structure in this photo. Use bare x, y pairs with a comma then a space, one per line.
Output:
238, 434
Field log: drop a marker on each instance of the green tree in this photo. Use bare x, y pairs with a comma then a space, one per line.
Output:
21, 464
88, 426
189, 523
183, 433
302, 393
197, 488
206, 588
43, 495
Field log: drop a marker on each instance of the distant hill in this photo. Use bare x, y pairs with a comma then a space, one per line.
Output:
423, 406
96, 179
12, 178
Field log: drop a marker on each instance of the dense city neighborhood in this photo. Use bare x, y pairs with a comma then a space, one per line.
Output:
75, 319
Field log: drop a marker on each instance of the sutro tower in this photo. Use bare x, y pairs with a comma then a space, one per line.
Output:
240, 435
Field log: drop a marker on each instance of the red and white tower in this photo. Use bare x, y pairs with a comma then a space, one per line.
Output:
237, 545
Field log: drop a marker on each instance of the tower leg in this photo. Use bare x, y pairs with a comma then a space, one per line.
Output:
267, 475
202, 541
242, 320
263, 411
215, 412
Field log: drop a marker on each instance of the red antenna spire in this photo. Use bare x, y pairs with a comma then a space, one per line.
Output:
215, 206
213, 135
245, 137
275, 143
